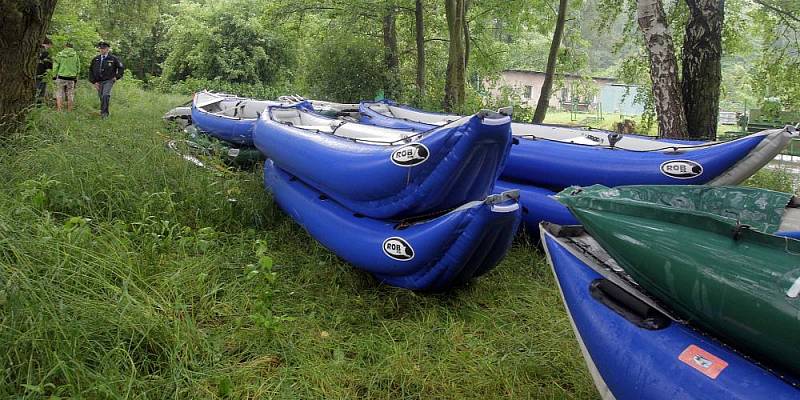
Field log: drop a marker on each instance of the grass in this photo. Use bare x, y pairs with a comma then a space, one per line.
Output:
608, 122
126, 272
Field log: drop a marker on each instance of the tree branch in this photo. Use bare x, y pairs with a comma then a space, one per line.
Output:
784, 13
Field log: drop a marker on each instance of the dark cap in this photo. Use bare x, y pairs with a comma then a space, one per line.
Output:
102, 44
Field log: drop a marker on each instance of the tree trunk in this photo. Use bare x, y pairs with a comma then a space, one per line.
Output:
467, 44
392, 87
663, 69
22, 28
454, 81
702, 67
552, 58
420, 40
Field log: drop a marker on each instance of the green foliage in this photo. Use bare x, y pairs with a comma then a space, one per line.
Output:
737, 90
508, 96
126, 272
530, 51
190, 86
780, 180
635, 70
774, 74
771, 109
68, 26
345, 68
326, 49
263, 314
224, 40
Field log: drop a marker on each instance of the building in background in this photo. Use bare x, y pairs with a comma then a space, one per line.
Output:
570, 92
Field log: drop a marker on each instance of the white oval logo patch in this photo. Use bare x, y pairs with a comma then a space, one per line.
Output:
410, 155
681, 169
398, 249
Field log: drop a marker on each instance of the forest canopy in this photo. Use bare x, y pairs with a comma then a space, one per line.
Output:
350, 50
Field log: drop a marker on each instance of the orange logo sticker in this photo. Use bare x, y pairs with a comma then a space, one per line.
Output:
703, 361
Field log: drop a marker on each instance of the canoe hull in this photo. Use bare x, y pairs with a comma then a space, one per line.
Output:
446, 251
559, 165
231, 130
720, 274
631, 362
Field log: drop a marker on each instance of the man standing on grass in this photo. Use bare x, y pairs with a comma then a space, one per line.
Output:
65, 69
43, 64
104, 70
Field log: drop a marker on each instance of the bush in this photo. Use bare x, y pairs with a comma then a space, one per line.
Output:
225, 40
346, 68
190, 86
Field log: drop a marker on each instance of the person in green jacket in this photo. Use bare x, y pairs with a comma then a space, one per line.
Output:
66, 66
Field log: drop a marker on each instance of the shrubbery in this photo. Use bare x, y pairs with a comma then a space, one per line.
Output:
225, 40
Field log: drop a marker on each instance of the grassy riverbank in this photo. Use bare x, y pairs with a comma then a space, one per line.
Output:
126, 272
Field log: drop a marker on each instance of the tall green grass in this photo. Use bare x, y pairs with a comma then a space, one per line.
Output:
126, 272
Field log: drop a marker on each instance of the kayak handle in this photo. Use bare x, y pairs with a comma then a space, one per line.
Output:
613, 138
627, 306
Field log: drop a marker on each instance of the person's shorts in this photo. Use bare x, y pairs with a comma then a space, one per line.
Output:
65, 89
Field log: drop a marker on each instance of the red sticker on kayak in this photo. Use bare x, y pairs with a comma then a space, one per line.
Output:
703, 361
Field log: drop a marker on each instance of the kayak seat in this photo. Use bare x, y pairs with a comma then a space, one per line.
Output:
367, 133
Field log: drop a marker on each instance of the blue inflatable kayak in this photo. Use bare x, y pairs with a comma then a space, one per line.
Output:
537, 206
434, 254
225, 117
557, 157
232, 118
631, 345
387, 173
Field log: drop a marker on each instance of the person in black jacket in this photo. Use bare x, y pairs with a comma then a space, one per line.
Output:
44, 63
104, 70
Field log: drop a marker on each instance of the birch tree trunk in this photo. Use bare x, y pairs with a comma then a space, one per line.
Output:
22, 28
392, 87
663, 69
552, 58
454, 81
702, 66
419, 30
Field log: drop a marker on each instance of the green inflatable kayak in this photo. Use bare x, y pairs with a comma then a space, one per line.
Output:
711, 255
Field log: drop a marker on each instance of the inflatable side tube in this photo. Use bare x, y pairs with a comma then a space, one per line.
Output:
431, 255
661, 361
439, 170
557, 165
236, 124
775, 141
230, 129
372, 117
